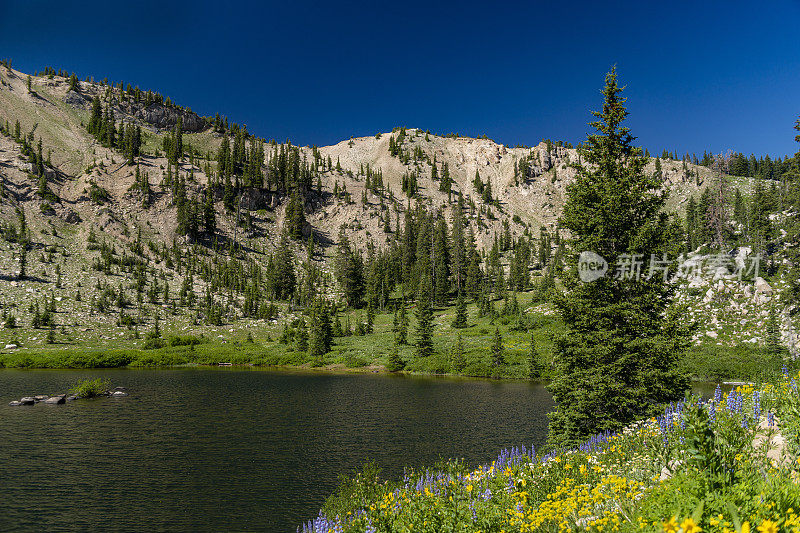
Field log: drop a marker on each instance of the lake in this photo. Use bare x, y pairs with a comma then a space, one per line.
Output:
235, 449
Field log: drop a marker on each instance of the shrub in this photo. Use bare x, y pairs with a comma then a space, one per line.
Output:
89, 388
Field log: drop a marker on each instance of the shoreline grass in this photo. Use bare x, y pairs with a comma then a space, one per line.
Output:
702, 363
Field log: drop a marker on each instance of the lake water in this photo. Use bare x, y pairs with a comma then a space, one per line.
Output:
233, 449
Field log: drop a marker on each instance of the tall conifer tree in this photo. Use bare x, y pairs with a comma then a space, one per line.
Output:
617, 359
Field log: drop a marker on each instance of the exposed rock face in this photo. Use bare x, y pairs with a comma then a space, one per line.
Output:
76, 99
163, 117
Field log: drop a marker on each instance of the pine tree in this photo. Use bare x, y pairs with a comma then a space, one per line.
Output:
617, 359
349, 271
535, 367
209, 214
395, 364
424, 312
460, 320
691, 224
498, 356
301, 336
457, 360
773, 336
402, 326
321, 333
370, 324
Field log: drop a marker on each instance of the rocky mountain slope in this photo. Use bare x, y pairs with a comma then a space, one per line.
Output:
94, 199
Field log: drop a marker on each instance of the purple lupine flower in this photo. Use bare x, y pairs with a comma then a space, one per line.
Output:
756, 407
717, 393
487, 495
785, 371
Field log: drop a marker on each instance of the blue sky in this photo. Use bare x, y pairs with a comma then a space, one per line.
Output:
700, 75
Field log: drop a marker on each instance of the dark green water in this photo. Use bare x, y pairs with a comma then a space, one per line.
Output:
232, 450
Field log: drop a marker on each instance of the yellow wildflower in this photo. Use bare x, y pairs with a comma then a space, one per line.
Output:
768, 526
689, 526
671, 526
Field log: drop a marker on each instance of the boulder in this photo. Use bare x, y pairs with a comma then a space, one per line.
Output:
14, 403
27, 400
119, 393
56, 399
40, 397
762, 287
11, 347
123, 389
71, 398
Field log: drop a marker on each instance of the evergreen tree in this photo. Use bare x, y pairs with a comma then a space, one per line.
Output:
349, 271
301, 336
460, 320
424, 314
773, 336
370, 324
402, 326
395, 363
295, 215
498, 355
321, 332
617, 359
458, 250
209, 214
457, 360
691, 225
535, 367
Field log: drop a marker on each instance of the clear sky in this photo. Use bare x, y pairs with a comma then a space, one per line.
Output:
700, 75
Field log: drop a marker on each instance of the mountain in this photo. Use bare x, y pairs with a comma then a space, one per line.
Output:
128, 219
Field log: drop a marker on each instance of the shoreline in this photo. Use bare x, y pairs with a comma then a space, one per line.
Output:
700, 365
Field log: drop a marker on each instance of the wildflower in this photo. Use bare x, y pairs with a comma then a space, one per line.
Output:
671, 525
689, 526
768, 526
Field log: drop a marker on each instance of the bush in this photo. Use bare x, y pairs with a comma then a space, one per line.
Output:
743, 362
89, 388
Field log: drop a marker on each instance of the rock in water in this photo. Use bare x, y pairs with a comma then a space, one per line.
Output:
119, 393
27, 400
40, 397
14, 403
56, 399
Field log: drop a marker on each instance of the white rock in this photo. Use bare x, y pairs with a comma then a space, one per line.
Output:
762, 287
